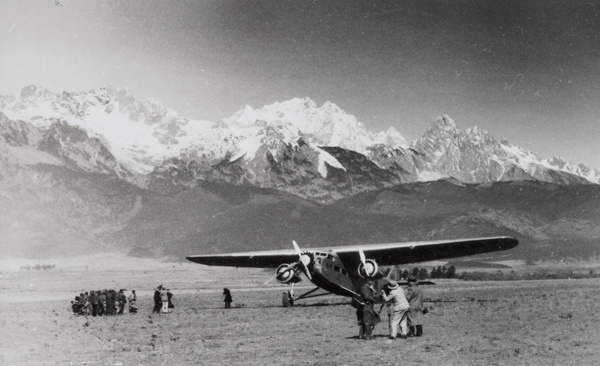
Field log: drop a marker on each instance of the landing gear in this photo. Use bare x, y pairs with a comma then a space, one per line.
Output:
288, 298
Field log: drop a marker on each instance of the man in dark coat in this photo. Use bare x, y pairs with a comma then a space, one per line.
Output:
414, 295
102, 302
121, 300
92, 303
170, 301
368, 315
157, 300
227, 297
110, 302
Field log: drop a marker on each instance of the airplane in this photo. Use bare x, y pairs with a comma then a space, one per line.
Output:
342, 270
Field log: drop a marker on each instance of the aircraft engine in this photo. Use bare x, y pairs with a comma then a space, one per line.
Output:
368, 268
286, 273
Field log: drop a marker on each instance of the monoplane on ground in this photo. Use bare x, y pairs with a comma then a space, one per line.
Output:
343, 270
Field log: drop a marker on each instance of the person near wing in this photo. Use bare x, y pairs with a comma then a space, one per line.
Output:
369, 318
399, 309
414, 295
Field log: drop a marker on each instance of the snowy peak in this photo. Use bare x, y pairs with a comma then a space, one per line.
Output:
327, 125
474, 156
443, 125
581, 170
139, 133
34, 93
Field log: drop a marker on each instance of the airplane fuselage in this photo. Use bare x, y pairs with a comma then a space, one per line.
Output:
329, 273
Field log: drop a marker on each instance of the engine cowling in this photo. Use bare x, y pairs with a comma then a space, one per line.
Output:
286, 273
368, 269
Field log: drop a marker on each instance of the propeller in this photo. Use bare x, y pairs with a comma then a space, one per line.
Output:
369, 267
301, 260
393, 269
363, 259
286, 273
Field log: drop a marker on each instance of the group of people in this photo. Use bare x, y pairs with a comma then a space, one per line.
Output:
163, 300
405, 309
111, 302
103, 302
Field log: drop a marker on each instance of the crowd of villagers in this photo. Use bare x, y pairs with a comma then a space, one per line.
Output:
104, 302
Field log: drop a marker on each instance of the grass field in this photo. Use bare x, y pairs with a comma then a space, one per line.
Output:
551, 322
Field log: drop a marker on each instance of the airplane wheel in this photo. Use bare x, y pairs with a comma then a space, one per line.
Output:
287, 300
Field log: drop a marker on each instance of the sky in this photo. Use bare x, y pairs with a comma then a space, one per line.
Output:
527, 71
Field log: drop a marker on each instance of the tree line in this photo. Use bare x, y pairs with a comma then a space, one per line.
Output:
422, 273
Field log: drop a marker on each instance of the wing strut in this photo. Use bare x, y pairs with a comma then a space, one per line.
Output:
307, 294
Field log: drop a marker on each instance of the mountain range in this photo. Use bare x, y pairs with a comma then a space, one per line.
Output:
101, 170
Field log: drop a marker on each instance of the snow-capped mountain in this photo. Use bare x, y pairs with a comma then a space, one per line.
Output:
473, 156
327, 125
316, 152
140, 134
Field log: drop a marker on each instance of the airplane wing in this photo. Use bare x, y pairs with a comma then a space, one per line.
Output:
259, 259
383, 254
424, 251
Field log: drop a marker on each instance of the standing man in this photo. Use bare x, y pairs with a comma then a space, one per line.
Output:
414, 294
369, 317
92, 304
86, 304
121, 300
132, 302
400, 308
157, 300
111, 301
165, 300
170, 301
102, 303
227, 298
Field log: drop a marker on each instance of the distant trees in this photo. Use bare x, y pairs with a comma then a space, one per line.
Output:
422, 273
443, 272
37, 267
536, 275
451, 272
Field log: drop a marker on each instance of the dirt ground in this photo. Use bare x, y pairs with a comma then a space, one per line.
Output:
552, 322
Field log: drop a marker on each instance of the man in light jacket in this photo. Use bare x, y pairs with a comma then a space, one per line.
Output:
400, 308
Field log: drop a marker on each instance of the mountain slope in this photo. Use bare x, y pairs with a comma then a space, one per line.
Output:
550, 220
